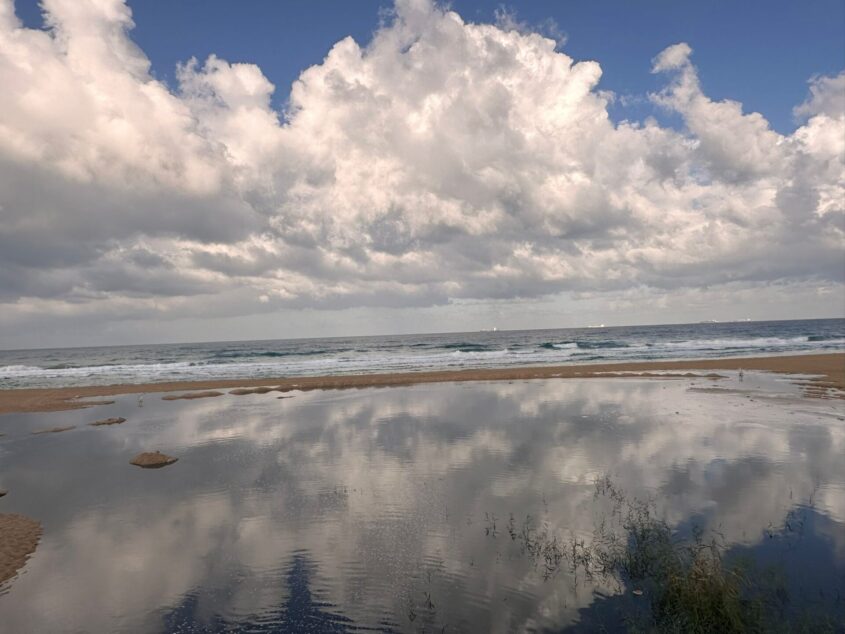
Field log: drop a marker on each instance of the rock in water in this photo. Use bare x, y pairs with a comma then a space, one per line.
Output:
152, 460
109, 421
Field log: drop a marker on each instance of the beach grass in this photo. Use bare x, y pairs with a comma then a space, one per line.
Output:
668, 582
691, 584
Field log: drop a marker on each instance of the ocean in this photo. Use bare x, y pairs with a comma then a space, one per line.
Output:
411, 353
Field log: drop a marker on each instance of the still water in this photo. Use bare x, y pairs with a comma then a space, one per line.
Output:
391, 509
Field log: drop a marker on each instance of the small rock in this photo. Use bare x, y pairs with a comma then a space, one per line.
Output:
3, 492
638, 592
152, 460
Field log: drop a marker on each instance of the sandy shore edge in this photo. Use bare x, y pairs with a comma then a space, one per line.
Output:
19, 538
827, 369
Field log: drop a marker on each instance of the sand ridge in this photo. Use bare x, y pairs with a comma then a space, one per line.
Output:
188, 396
117, 420
54, 430
152, 460
827, 369
241, 391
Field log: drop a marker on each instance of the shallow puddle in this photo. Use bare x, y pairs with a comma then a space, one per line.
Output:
406, 509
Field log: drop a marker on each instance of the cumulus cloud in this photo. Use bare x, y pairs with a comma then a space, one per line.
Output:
827, 97
443, 160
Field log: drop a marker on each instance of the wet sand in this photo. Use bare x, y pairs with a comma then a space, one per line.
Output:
189, 396
152, 460
827, 370
53, 430
108, 421
19, 536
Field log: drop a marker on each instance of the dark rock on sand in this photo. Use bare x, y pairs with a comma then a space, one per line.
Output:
3, 492
54, 430
109, 421
19, 537
152, 460
190, 395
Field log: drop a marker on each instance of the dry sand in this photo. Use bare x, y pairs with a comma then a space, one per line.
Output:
828, 371
19, 537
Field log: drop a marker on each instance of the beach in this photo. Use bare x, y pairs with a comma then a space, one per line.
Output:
456, 500
422, 316
822, 375
519, 473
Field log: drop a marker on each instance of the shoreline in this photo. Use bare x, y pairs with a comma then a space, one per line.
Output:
827, 369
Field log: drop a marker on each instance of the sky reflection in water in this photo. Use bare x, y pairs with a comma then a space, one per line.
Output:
372, 508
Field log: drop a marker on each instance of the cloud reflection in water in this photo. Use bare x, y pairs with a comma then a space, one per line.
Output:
367, 508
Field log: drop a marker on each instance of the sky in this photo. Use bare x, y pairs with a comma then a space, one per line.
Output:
214, 170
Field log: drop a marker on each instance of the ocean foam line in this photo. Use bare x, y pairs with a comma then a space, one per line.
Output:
450, 356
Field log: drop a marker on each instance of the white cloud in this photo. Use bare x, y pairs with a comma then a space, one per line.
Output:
672, 58
443, 160
827, 97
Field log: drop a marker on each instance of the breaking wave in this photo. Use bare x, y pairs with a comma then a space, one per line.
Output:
409, 353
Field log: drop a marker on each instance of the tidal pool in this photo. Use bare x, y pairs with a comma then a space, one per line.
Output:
402, 509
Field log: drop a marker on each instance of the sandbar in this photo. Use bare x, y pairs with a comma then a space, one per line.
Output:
152, 460
19, 537
189, 396
827, 372
117, 420
54, 430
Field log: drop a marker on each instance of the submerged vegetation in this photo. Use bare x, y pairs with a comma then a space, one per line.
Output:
666, 581
687, 582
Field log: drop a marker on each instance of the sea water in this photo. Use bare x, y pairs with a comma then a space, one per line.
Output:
410, 353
